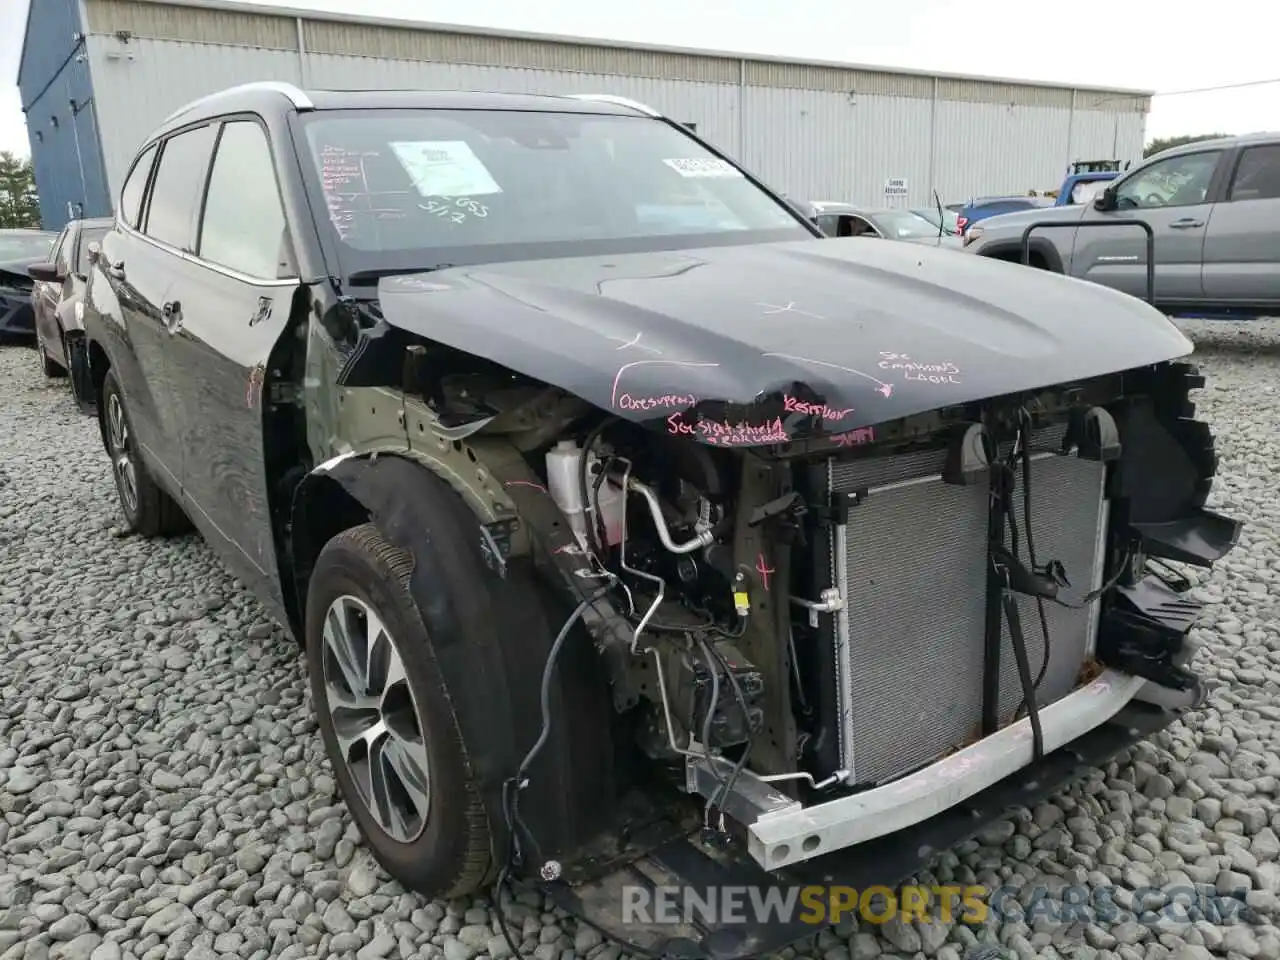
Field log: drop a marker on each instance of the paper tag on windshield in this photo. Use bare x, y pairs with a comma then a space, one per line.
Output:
703, 167
444, 168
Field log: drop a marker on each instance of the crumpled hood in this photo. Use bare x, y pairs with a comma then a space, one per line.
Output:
742, 345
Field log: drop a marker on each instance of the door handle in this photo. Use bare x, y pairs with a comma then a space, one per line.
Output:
172, 313
1186, 223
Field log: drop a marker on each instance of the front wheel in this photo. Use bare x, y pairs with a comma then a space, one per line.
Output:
386, 719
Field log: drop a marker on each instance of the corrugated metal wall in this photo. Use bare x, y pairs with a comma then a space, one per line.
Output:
815, 132
61, 123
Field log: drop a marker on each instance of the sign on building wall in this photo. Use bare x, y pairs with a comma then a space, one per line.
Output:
895, 187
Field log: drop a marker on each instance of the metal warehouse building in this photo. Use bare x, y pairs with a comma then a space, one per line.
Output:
97, 75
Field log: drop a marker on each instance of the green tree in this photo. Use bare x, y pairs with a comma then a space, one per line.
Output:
19, 205
1164, 143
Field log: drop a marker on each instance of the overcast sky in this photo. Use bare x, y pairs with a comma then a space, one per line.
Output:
1162, 47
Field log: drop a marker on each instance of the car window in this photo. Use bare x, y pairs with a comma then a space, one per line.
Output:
179, 179
243, 226
1258, 174
135, 185
432, 186
858, 227
1175, 182
1086, 190
26, 245
88, 237
830, 224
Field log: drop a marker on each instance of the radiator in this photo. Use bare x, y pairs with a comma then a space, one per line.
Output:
911, 562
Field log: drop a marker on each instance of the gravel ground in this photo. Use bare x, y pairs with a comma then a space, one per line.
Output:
164, 794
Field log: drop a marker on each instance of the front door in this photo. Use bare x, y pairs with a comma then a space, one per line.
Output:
235, 298
1172, 196
45, 294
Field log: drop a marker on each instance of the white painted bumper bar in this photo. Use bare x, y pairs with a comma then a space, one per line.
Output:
778, 839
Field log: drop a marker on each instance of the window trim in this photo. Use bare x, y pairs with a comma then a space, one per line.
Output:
163, 144
1235, 169
184, 255
1209, 191
152, 147
296, 274
61, 242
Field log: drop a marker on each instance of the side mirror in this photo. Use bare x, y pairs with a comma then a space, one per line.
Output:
1106, 200
45, 273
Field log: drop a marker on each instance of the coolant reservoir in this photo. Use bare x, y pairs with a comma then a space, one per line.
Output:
563, 484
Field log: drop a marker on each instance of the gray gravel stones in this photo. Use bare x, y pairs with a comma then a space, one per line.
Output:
164, 794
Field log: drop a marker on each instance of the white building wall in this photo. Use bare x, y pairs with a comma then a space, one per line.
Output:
813, 132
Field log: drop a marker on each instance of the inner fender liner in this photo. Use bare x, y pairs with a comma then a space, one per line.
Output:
491, 636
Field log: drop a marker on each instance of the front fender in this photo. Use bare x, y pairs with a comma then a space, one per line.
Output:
1012, 250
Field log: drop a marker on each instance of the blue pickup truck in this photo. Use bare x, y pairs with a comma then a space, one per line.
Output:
1085, 179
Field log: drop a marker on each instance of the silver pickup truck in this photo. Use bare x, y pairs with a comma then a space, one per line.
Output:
1214, 210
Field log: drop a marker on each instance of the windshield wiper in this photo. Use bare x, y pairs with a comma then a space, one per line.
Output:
374, 274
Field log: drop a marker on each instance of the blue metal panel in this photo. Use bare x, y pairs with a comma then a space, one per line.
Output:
57, 98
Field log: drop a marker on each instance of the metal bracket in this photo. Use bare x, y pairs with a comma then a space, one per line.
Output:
831, 601
749, 799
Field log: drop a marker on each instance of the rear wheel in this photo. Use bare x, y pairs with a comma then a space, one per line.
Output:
148, 510
386, 718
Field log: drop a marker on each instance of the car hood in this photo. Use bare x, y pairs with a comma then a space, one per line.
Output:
1019, 219
798, 339
945, 242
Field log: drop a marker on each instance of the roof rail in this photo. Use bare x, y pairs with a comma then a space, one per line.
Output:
299, 99
617, 102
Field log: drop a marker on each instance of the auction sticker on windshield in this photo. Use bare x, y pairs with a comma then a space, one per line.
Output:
703, 167
445, 168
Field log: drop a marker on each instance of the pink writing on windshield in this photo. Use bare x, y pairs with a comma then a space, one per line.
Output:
855, 438
667, 401
919, 372
792, 405
729, 434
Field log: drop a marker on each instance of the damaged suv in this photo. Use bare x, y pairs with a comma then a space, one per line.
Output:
633, 532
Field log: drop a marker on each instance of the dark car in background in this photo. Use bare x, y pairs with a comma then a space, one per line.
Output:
984, 207
58, 300
18, 250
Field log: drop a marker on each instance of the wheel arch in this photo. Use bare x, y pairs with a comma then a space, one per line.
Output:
491, 626
99, 365
1044, 255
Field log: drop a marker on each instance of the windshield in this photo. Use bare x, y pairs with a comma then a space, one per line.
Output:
950, 219
426, 187
25, 246
905, 225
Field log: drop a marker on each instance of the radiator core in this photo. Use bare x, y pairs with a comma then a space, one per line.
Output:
911, 562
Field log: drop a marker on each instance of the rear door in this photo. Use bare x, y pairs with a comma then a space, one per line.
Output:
1175, 196
236, 294
141, 264
1242, 241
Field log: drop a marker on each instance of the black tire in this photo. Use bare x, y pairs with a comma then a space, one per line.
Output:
451, 856
150, 511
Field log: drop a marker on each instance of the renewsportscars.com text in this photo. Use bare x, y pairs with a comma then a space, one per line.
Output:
822, 905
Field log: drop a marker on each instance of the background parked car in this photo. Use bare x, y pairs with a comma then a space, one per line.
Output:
18, 250
984, 207
1214, 207
57, 298
846, 220
950, 219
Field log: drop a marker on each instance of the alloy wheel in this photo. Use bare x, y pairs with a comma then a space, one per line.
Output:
121, 457
375, 718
